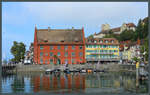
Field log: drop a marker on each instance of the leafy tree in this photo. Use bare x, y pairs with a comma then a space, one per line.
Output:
139, 30
145, 48
126, 35
136, 59
5, 61
91, 36
18, 51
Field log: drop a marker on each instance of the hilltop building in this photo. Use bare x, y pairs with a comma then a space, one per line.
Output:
118, 30
59, 46
102, 49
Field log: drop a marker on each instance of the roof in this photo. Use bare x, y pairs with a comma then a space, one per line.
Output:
91, 41
59, 35
116, 29
130, 25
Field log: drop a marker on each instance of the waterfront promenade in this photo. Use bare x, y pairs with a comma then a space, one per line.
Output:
106, 67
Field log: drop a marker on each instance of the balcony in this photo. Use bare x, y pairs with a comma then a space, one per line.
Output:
102, 53
103, 59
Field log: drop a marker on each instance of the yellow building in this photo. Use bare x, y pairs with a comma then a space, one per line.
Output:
102, 49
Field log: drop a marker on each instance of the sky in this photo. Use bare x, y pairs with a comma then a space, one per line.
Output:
19, 19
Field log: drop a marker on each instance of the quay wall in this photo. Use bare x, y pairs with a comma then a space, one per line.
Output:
42, 68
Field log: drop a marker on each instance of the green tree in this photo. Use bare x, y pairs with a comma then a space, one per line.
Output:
5, 61
126, 35
145, 48
18, 51
91, 36
145, 28
136, 59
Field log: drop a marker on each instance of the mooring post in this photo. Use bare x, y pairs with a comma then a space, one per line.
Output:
137, 75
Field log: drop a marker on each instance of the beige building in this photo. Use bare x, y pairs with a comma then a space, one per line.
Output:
118, 30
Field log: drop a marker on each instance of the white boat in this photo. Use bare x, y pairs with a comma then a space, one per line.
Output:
27, 62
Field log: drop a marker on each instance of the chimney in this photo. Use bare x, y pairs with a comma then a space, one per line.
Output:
48, 29
35, 26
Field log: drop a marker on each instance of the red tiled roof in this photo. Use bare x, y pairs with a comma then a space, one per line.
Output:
115, 41
131, 25
116, 29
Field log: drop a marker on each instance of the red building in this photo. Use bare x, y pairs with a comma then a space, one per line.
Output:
59, 46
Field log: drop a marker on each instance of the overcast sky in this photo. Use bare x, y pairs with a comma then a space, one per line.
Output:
19, 19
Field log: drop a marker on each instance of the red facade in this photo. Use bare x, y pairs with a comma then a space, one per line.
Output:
60, 52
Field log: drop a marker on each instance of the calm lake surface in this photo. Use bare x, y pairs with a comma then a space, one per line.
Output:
74, 82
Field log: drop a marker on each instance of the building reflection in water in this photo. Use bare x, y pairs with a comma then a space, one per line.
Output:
61, 82
67, 83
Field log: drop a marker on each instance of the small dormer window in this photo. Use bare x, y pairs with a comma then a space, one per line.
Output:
62, 40
106, 41
45, 40
101, 41
76, 40
89, 41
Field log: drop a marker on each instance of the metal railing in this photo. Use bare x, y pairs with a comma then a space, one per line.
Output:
102, 53
102, 59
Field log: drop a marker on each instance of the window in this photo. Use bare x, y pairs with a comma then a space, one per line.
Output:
73, 60
41, 60
51, 53
41, 47
95, 41
101, 41
66, 61
73, 47
46, 54
41, 53
80, 47
72, 54
58, 54
58, 47
66, 54
104, 46
51, 61
106, 41
51, 47
80, 60
66, 47
46, 62
80, 54
112, 41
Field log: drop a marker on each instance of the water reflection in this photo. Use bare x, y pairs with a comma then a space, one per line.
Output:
68, 83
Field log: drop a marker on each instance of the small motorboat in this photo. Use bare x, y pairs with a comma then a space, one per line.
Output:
67, 71
83, 71
48, 71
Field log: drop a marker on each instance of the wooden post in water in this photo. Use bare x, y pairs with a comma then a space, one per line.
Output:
137, 76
